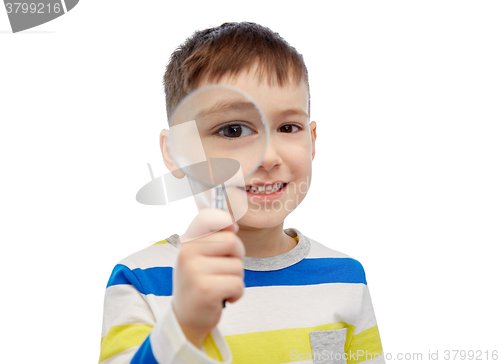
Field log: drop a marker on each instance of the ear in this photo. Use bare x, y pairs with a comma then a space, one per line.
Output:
312, 127
167, 157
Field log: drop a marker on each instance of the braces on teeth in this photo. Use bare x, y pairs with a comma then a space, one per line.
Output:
265, 189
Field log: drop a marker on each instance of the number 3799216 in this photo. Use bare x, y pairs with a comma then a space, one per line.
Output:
33, 8
470, 355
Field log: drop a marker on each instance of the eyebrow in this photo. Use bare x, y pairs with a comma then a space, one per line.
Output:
292, 112
226, 106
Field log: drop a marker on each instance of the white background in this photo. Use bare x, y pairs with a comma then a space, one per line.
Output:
406, 96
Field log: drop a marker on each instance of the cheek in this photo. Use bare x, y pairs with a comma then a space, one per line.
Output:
301, 182
300, 164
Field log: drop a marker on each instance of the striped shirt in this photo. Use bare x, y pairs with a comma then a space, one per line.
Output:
308, 305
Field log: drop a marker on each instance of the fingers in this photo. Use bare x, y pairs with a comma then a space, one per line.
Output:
221, 265
228, 287
209, 221
222, 244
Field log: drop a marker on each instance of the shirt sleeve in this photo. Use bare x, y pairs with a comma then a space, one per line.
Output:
365, 344
131, 333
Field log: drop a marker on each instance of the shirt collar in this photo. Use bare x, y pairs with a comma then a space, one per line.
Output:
299, 252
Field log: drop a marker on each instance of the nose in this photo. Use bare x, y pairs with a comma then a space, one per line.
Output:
272, 158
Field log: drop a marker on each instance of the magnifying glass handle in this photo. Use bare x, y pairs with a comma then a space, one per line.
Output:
219, 202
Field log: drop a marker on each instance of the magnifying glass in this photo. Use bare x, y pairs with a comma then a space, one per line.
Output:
218, 138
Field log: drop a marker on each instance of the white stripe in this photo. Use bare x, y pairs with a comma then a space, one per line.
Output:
318, 250
161, 255
64, 6
124, 305
366, 317
158, 304
280, 307
290, 307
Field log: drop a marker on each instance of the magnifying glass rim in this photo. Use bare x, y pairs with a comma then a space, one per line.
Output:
241, 92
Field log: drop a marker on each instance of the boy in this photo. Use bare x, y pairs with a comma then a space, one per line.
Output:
289, 297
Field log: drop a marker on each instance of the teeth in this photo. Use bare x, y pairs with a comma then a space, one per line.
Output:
265, 189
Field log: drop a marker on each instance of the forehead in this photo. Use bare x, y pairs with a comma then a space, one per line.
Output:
213, 104
274, 100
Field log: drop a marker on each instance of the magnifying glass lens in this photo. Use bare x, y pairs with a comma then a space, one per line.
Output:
218, 135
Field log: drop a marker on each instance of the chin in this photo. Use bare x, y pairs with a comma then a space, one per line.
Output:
263, 219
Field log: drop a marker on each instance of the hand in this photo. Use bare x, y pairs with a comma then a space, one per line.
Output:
209, 269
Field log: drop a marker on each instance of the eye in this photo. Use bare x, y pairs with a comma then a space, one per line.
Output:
289, 128
235, 131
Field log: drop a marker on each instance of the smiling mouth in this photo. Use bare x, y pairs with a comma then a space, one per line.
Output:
264, 190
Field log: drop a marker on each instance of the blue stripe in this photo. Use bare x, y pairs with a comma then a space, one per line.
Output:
158, 280
310, 271
120, 275
145, 354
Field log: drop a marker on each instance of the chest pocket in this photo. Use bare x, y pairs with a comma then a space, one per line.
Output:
328, 346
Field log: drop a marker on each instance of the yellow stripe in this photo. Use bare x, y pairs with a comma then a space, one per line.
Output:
368, 343
164, 241
276, 346
297, 238
122, 337
211, 348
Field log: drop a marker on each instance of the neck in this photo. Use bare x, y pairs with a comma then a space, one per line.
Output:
267, 242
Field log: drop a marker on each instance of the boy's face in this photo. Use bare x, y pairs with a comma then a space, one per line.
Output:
290, 150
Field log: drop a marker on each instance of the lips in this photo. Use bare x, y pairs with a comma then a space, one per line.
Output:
265, 188
265, 192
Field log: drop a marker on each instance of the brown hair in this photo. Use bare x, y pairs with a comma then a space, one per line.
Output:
228, 49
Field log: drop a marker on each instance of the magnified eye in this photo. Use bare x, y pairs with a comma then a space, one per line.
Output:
235, 131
